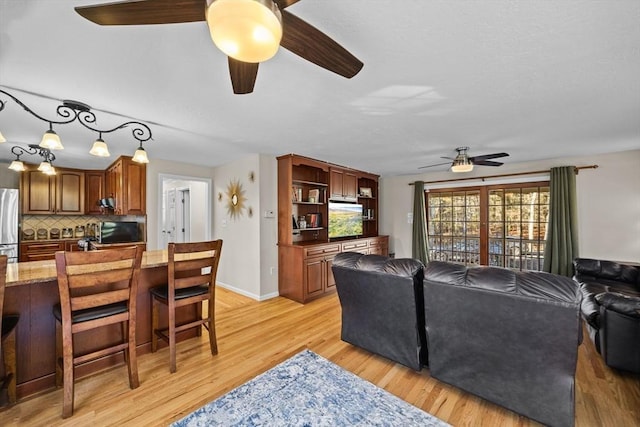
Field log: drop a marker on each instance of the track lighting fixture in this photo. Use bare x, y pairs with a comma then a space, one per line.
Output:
68, 112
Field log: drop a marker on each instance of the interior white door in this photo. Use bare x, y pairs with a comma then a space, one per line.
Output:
170, 224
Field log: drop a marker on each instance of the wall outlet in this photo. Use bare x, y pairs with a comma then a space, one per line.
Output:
272, 270
410, 218
269, 214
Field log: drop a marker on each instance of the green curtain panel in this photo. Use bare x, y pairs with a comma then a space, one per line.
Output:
419, 245
561, 246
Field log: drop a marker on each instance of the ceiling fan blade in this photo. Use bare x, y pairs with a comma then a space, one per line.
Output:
285, 3
243, 76
487, 163
477, 159
309, 43
143, 12
430, 166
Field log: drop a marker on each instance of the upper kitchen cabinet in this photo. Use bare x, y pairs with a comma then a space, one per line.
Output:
61, 194
343, 184
95, 189
126, 183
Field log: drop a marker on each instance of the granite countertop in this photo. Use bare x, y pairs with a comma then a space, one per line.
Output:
23, 273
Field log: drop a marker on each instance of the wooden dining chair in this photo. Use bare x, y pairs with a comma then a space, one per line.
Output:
97, 288
8, 323
191, 279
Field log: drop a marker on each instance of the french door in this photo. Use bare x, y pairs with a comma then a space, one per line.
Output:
500, 225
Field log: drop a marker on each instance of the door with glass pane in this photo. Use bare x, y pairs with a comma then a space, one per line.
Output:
494, 225
517, 226
454, 226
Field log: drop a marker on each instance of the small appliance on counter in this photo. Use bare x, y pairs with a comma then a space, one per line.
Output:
119, 232
92, 230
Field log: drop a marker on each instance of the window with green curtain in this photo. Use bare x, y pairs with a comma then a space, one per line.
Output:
562, 235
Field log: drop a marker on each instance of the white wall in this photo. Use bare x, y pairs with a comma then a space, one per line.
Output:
249, 250
608, 203
198, 226
8, 178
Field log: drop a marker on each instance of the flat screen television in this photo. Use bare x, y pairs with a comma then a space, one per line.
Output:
345, 220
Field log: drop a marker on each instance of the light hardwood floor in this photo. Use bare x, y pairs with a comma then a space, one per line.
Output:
255, 336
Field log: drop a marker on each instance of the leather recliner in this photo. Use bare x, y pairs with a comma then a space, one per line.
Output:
382, 305
611, 309
509, 337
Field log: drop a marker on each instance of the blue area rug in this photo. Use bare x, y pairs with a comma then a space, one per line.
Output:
308, 390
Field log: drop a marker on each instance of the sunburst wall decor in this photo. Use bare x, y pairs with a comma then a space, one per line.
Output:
235, 199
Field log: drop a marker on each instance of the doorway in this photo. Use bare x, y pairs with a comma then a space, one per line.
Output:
185, 209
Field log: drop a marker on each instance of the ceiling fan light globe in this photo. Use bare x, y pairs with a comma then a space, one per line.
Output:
462, 167
246, 30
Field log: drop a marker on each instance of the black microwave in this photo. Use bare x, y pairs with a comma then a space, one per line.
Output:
119, 232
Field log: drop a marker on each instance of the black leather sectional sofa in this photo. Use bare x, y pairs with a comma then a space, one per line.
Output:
509, 337
611, 309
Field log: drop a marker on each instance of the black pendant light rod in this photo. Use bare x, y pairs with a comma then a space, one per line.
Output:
71, 111
34, 149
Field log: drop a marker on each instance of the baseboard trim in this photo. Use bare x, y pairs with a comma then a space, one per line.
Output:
247, 294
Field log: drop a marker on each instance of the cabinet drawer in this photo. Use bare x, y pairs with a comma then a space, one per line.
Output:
321, 250
49, 246
354, 246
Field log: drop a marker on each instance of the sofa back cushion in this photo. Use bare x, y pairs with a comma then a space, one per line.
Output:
608, 270
534, 284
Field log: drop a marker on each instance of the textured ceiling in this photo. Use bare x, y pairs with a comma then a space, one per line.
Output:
535, 78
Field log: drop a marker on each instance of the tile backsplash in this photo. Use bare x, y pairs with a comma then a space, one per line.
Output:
48, 222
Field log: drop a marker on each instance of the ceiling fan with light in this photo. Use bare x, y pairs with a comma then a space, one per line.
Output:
247, 31
463, 163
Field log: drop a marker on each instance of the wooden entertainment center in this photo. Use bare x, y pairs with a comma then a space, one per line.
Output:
305, 253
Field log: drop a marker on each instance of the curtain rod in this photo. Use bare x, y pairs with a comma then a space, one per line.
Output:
577, 169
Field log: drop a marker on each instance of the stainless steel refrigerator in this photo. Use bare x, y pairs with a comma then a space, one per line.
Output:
9, 223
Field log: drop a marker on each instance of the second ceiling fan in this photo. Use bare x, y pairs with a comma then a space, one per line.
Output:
464, 163
276, 26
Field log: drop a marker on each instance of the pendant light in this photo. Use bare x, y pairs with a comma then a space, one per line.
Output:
17, 166
140, 155
99, 148
51, 140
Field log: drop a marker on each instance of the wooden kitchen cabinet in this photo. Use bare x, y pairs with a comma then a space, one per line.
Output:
37, 191
95, 188
126, 183
60, 194
69, 192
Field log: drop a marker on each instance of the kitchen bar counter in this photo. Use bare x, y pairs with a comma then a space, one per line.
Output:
32, 290
24, 273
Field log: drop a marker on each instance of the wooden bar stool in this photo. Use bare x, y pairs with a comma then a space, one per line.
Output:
97, 288
191, 279
8, 323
